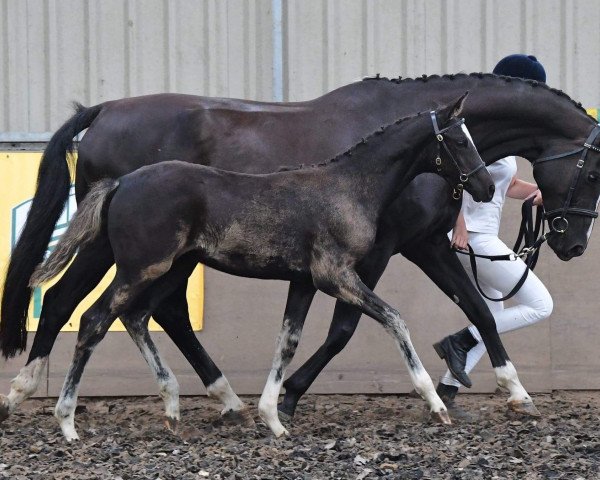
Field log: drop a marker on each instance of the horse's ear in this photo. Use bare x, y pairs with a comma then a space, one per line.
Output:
458, 106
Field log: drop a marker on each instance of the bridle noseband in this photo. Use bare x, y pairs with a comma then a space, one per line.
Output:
557, 218
463, 177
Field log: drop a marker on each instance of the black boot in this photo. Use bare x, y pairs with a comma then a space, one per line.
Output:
453, 349
448, 393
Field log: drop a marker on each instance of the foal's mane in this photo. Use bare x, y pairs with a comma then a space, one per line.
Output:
480, 75
348, 153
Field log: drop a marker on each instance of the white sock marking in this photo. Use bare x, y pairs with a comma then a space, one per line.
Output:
267, 405
25, 383
507, 377
221, 390
418, 375
166, 380
65, 413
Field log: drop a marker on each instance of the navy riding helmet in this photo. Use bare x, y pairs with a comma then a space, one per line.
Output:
523, 66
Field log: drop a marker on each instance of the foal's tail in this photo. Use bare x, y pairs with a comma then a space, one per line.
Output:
85, 226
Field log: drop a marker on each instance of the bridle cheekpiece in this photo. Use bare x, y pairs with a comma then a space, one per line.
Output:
557, 217
463, 177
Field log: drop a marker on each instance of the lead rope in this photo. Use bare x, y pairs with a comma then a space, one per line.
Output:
528, 234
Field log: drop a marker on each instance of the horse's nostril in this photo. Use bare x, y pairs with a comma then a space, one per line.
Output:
577, 250
492, 190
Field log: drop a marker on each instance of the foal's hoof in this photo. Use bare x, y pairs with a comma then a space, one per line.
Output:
239, 417
524, 408
279, 431
441, 417
3, 408
171, 424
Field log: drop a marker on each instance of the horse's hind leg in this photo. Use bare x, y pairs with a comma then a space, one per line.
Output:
172, 315
87, 269
300, 296
137, 327
443, 267
348, 287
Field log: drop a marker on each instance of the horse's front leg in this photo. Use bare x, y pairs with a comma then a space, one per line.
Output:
300, 297
349, 288
442, 266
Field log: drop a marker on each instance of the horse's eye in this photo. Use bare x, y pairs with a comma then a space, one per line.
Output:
593, 177
463, 142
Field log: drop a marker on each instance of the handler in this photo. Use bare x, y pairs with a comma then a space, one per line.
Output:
478, 224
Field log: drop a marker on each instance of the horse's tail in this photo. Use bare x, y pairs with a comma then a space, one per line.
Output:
52, 191
84, 227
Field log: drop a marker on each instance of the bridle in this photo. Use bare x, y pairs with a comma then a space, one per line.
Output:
530, 234
557, 218
463, 177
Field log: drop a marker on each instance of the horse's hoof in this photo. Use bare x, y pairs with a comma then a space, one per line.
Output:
171, 424
441, 417
284, 418
72, 438
70, 434
524, 408
280, 432
239, 417
286, 411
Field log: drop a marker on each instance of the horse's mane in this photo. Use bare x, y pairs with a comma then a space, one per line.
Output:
348, 153
480, 75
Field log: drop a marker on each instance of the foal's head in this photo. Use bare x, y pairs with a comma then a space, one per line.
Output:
457, 159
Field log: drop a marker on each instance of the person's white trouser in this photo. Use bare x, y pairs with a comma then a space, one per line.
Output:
497, 279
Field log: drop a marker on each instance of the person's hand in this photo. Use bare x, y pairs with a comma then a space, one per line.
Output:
460, 236
537, 197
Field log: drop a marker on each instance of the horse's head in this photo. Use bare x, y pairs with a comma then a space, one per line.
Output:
570, 184
458, 160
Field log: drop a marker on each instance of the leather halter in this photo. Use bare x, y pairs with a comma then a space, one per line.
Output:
557, 218
463, 177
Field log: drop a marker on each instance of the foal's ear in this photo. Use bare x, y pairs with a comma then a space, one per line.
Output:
458, 105
452, 109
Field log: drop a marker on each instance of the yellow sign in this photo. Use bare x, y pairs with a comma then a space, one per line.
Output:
18, 171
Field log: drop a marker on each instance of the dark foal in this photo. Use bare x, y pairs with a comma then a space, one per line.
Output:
506, 117
321, 222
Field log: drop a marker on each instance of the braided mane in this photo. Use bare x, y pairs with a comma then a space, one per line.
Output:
533, 83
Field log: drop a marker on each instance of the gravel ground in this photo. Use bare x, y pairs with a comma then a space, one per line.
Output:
333, 436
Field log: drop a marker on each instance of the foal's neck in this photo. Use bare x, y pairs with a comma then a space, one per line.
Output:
385, 162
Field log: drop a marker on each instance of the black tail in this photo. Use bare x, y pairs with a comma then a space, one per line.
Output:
51, 193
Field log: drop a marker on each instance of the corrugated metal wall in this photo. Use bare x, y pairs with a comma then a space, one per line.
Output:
52, 52
56, 51
334, 42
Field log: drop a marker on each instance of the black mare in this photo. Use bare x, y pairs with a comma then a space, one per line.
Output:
506, 116
308, 226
